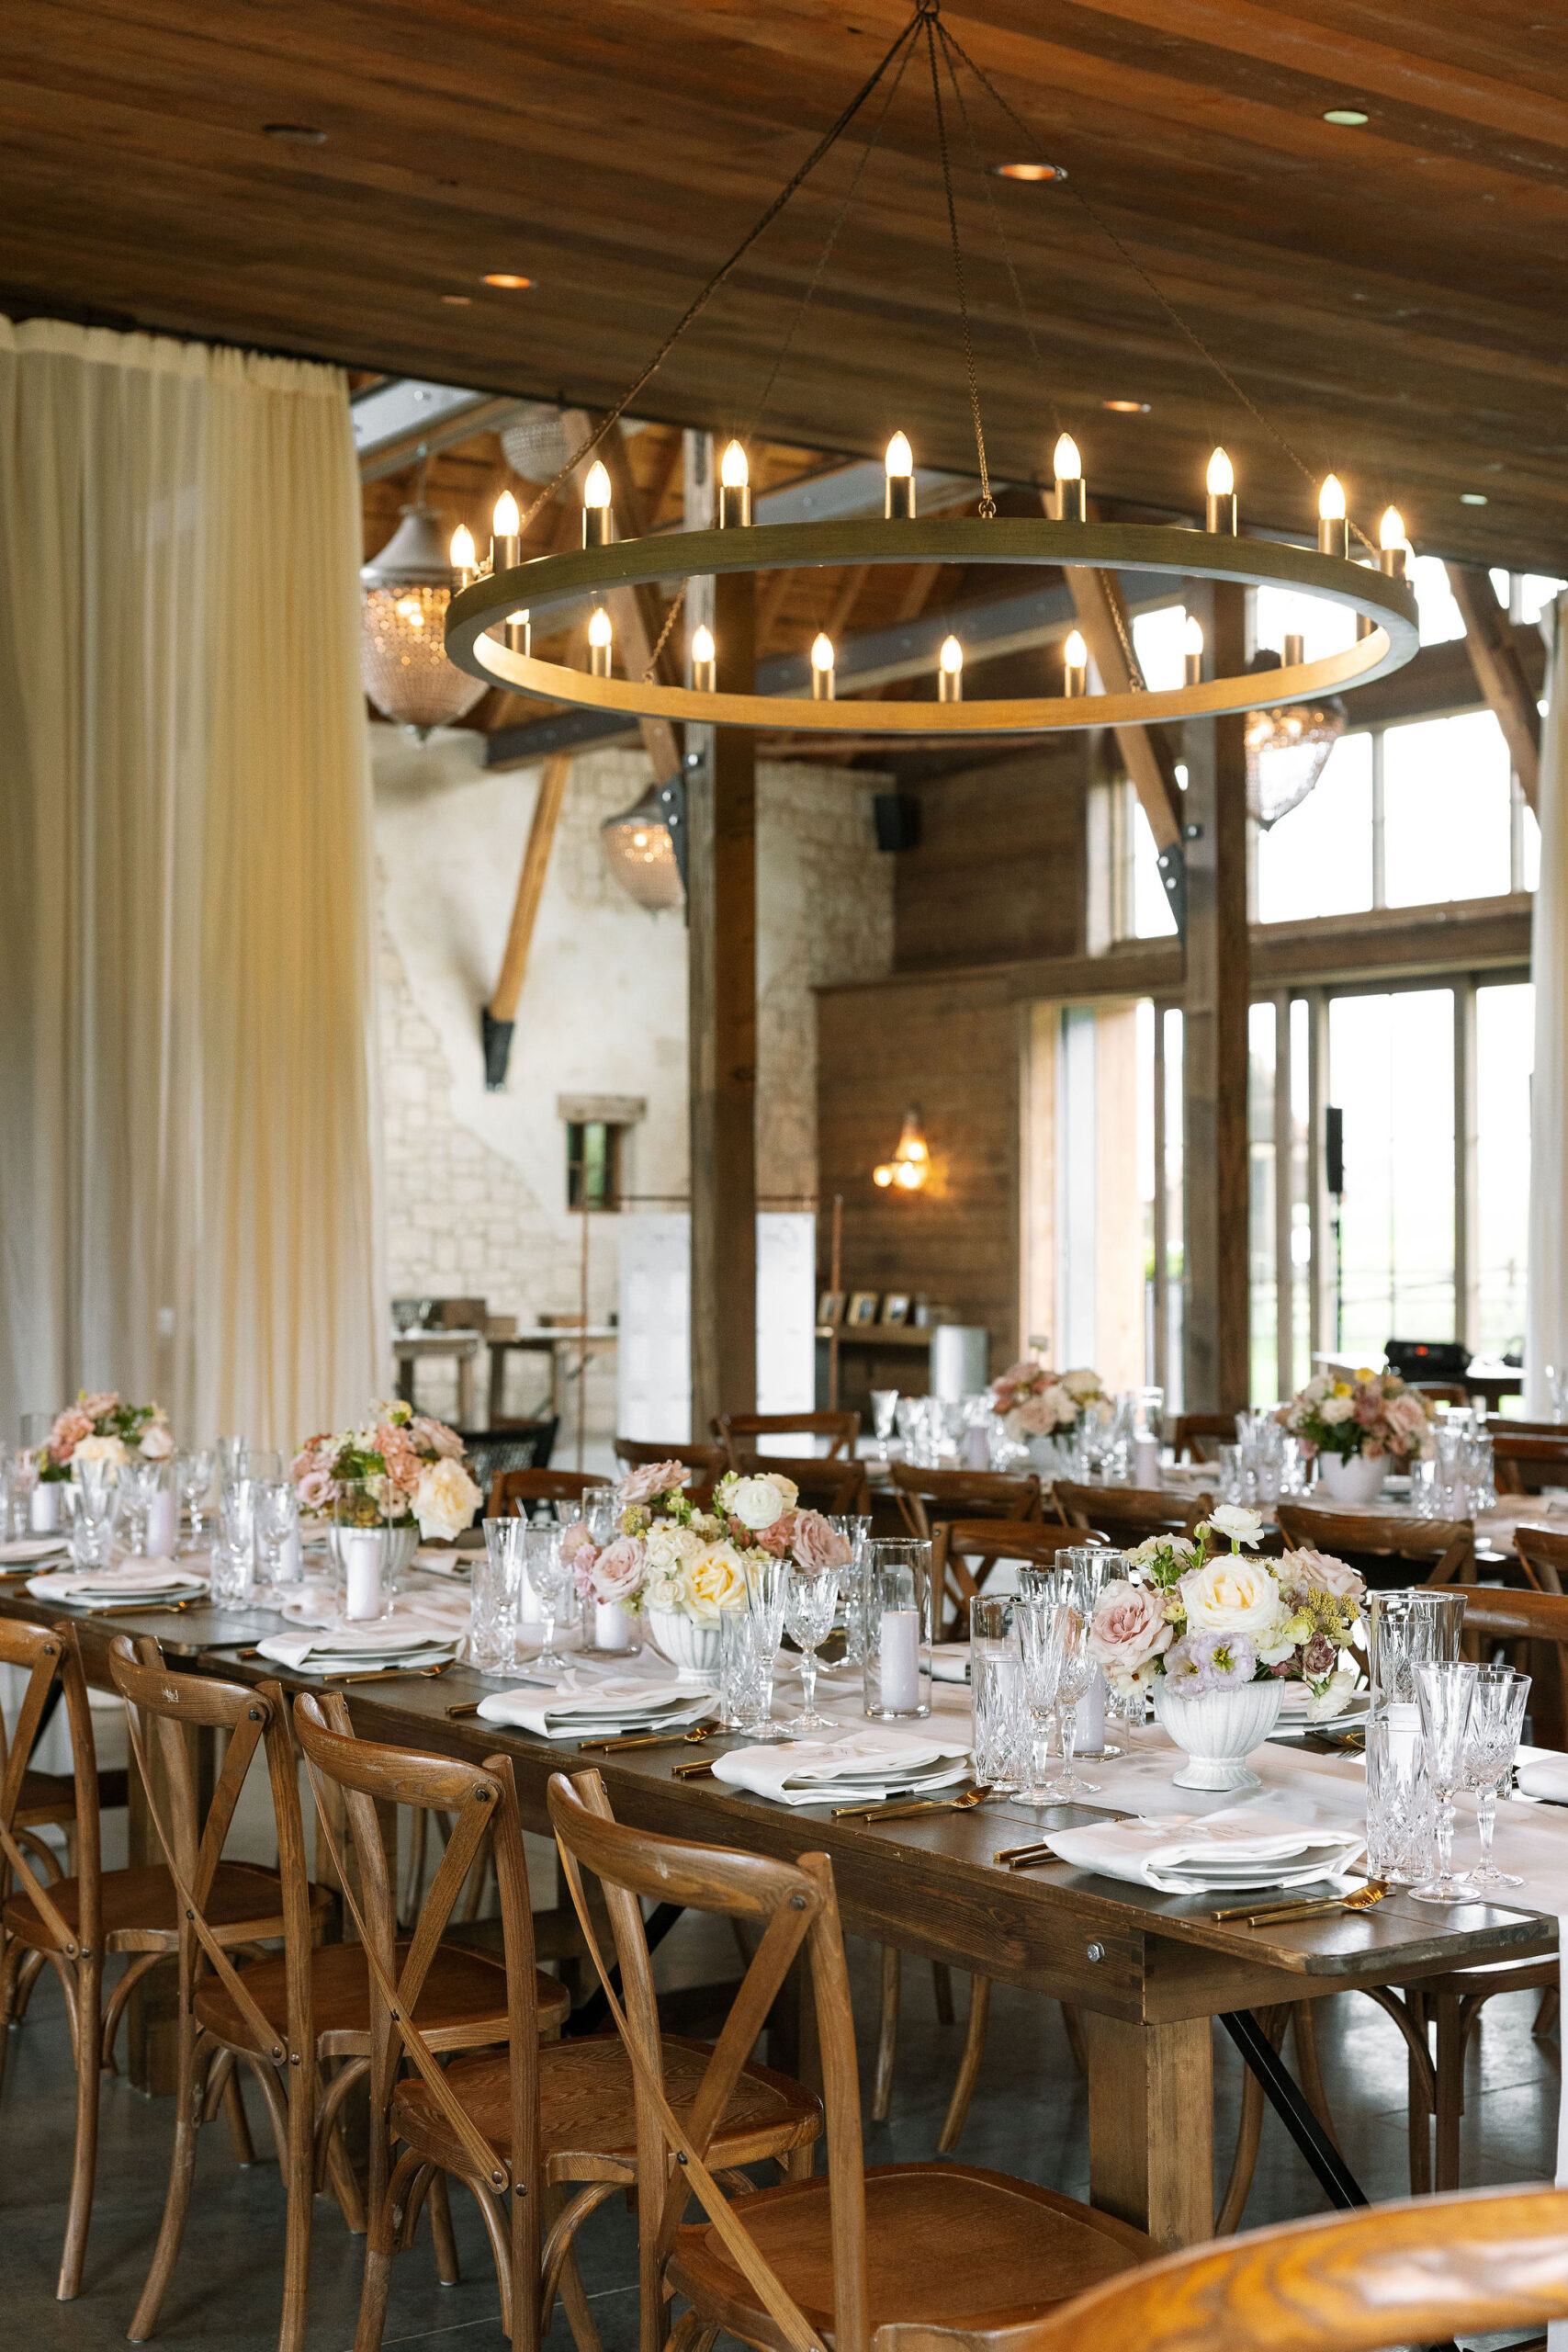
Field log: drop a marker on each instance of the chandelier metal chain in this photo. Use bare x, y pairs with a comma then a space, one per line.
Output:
927, 10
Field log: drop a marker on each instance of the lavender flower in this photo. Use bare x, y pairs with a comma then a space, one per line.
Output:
1206, 1662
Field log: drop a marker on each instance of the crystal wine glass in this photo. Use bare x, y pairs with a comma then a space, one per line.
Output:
1038, 1622
547, 1572
194, 1470
765, 1583
1497, 1718
1445, 1695
96, 1483
884, 1405
811, 1596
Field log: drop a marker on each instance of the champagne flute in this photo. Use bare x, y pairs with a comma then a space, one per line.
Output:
1497, 1718
1445, 1695
547, 1572
811, 1596
194, 1470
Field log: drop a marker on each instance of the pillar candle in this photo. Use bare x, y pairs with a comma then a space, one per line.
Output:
362, 1572
900, 1660
1145, 1461
44, 1514
163, 1524
1090, 1732
611, 1626
977, 1447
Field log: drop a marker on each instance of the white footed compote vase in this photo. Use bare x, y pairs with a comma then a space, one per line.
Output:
691, 1649
1355, 1482
1219, 1730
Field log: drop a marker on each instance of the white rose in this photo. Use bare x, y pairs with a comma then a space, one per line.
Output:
101, 1449
444, 1500
1241, 1526
786, 1488
756, 1503
156, 1443
1081, 1384
1334, 1409
1231, 1595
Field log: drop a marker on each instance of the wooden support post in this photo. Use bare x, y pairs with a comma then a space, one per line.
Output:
1215, 1189
1499, 672
502, 1010
721, 899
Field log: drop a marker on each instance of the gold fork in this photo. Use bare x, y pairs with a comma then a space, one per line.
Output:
960, 1803
1363, 1899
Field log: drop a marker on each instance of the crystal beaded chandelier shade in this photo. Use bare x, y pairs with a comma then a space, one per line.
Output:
402, 643
1287, 750
642, 854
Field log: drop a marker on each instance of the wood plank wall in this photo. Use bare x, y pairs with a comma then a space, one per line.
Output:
1000, 871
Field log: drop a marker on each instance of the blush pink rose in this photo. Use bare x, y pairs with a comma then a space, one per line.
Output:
583, 1557
1312, 1571
434, 1437
573, 1538
816, 1545
316, 1489
618, 1571
776, 1541
655, 1478
1129, 1628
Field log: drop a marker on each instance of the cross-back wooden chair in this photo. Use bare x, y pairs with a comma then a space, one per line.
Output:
1523, 1465
1383, 1549
75, 1923
736, 1431
1542, 1553
925, 1496
1443, 1392
965, 1550
1124, 1516
1419, 2273
1196, 1436
509, 1488
934, 2249
709, 1463
838, 1488
1505, 1425
549, 2119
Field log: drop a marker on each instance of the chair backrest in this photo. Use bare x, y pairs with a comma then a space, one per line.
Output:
1505, 1425
794, 1905
509, 1487
1534, 1626
710, 1461
1525, 1465
1196, 1435
1543, 1556
523, 1445
481, 1803
1383, 1549
50, 1658
161, 1701
964, 1551
840, 1488
925, 1496
732, 1429
1125, 1515
1422, 2272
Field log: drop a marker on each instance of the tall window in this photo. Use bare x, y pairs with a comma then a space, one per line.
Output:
592, 1164
1391, 1074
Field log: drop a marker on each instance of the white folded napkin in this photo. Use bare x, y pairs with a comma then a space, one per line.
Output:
1188, 1854
576, 1713
950, 1662
1545, 1775
102, 1588
874, 1763
392, 1644
19, 1549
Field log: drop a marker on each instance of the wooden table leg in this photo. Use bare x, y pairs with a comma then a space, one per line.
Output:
1151, 2126
468, 1385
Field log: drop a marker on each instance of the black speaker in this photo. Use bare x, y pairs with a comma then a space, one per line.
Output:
1333, 1148
898, 821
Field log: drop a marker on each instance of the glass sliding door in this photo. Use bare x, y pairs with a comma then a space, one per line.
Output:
1391, 1075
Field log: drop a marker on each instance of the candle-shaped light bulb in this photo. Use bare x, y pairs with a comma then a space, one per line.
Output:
505, 526
1192, 651
1219, 483
734, 489
1393, 544
465, 559
1067, 467
822, 667
598, 516
704, 655
1332, 530
899, 466
599, 635
950, 671
1074, 659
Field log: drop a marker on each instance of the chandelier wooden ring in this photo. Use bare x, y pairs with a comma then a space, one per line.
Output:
1386, 604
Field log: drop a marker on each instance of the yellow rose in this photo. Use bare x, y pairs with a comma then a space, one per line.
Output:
444, 1500
714, 1581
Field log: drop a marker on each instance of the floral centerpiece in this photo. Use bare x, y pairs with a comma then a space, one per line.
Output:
399, 1470
1215, 1637
1356, 1428
104, 1429
1037, 1408
683, 1566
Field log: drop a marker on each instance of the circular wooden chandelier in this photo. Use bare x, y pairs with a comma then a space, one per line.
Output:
491, 620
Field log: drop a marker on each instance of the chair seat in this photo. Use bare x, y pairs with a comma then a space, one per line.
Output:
586, 2105
1491, 1977
947, 2245
141, 1902
463, 1999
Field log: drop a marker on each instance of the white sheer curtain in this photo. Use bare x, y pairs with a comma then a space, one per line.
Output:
187, 1176
1547, 1340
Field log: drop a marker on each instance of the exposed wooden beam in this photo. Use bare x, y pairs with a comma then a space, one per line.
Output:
501, 1010
627, 617
1499, 671
1146, 750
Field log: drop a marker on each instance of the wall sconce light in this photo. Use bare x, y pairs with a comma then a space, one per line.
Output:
911, 1163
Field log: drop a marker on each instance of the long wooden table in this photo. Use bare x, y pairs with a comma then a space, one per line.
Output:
1150, 1970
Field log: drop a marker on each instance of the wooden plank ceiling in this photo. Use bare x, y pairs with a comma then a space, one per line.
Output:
1389, 295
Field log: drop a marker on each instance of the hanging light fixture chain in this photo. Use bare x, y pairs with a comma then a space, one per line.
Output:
928, 17
670, 617
700, 300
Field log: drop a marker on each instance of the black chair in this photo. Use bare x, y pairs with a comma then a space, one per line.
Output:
527, 1445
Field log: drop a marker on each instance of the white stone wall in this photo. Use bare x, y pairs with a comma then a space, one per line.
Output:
475, 1183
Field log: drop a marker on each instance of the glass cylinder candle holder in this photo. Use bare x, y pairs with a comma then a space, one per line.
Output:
899, 1632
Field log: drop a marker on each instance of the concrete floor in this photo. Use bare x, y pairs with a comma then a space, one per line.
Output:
1029, 2117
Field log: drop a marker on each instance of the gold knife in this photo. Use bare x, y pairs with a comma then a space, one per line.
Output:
1363, 1898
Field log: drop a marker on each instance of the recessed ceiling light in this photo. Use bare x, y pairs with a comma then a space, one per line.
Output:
294, 134
1349, 118
1028, 172
507, 278
1472, 498
1127, 408
458, 301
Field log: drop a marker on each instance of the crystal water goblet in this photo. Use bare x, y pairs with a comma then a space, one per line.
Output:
1496, 1719
495, 1599
547, 1572
193, 1470
745, 1675
811, 1599
855, 1532
97, 1485
884, 1405
1445, 1695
